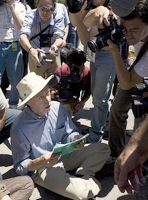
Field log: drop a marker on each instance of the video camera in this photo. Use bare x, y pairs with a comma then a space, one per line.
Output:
114, 32
140, 99
2, 2
74, 58
75, 6
43, 59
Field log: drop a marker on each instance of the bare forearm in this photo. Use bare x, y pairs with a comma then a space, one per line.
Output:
46, 160
77, 21
17, 20
3, 117
89, 20
36, 164
58, 42
66, 32
126, 79
140, 138
121, 70
24, 41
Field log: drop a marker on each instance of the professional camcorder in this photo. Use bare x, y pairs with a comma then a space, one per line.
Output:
114, 32
2, 2
75, 6
74, 58
140, 99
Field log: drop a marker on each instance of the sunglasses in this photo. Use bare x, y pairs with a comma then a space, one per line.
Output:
45, 8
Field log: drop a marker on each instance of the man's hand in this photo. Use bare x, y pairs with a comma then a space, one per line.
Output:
34, 54
81, 144
97, 17
48, 159
128, 171
53, 50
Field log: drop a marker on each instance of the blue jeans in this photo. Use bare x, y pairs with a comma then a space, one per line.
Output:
11, 60
102, 78
10, 117
72, 36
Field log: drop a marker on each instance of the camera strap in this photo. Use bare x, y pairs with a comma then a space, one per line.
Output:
141, 53
42, 31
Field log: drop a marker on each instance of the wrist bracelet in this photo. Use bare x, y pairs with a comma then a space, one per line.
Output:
30, 49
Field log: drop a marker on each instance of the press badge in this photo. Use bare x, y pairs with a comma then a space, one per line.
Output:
14, 46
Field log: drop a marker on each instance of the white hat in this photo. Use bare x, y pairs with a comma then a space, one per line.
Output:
123, 8
31, 85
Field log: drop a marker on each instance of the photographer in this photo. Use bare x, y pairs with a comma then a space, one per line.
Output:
43, 31
136, 33
73, 89
101, 66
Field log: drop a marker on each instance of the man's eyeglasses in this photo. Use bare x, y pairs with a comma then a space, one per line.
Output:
45, 8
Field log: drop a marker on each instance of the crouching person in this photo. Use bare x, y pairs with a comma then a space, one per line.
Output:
41, 125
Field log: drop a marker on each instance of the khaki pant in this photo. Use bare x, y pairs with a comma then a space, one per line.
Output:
20, 187
86, 161
47, 68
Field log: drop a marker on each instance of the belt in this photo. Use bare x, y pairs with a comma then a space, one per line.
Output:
7, 42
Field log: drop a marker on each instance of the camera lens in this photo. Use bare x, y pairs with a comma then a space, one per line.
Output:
93, 45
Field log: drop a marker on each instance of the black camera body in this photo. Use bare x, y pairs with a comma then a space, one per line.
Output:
114, 32
74, 58
2, 2
75, 6
65, 91
140, 99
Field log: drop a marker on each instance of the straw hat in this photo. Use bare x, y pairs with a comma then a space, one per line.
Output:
123, 8
31, 85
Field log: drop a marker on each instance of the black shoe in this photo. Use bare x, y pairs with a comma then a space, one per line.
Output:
85, 131
106, 135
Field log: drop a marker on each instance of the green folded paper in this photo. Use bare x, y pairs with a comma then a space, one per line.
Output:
68, 147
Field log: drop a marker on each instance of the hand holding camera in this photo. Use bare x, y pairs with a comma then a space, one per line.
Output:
114, 32
43, 59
